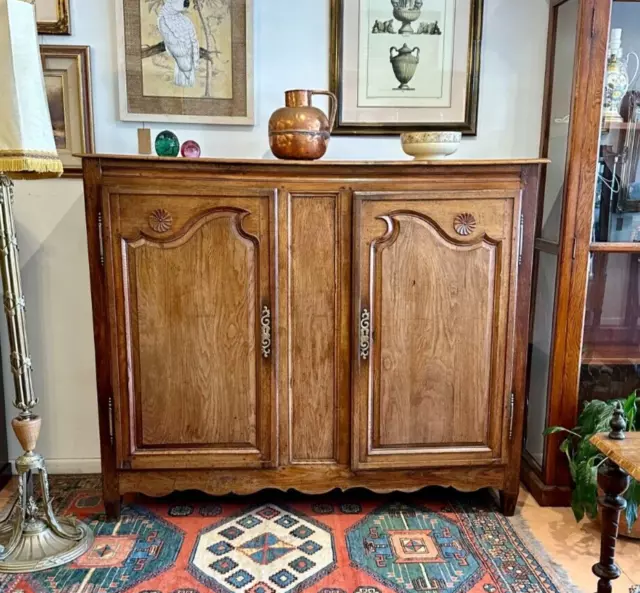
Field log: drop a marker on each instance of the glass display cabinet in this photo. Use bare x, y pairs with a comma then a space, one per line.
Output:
584, 335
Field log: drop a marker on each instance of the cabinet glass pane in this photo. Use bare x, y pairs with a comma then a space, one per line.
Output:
563, 62
611, 347
617, 205
545, 296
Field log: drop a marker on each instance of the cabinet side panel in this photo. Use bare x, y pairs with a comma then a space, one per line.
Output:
313, 315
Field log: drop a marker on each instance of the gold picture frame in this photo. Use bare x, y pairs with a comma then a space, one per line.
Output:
67, 77
210, 84
358, 38
53, 17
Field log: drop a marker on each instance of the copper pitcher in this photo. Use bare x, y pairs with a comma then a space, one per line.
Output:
301, 131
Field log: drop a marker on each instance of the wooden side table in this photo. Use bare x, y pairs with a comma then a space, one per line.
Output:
623, 462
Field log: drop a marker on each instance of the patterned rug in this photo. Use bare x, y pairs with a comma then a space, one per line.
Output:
277, 543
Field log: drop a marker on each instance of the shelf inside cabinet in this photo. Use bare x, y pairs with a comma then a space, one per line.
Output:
611, 354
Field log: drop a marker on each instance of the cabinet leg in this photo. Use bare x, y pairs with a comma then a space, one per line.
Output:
508, 502
112, 507
614, 483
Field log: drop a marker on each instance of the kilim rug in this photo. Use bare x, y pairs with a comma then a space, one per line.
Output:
288, 543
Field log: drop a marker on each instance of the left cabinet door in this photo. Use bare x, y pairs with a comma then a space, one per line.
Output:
191, 289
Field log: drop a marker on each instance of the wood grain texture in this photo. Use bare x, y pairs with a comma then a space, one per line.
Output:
190, 303
248, 234
576, 228
316, 479
625, 454
314, 285
442, 313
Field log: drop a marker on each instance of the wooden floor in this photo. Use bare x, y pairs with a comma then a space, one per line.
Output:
577, 547
574, 547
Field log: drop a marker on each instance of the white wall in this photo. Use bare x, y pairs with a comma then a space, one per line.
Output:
291, 51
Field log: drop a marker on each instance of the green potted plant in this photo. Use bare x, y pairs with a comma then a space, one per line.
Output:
584, 460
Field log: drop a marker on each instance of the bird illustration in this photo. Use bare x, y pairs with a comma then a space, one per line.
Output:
179, 35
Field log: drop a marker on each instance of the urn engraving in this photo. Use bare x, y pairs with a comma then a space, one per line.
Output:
404, 64
407, 12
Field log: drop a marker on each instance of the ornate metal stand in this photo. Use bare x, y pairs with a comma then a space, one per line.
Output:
31, 537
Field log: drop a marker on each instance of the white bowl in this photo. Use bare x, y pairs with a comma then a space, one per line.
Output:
430, 145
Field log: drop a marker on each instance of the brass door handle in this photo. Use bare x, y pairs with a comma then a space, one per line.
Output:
365, 334
265, 323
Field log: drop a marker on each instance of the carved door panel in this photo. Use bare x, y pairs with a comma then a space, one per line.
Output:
191, 281
435, 296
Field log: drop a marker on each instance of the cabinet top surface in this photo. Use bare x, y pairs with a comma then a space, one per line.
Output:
626, 454
319, 163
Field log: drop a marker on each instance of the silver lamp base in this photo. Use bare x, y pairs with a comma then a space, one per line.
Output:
40, 548
32, 538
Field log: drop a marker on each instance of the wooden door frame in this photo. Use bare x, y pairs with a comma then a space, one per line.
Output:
573, 257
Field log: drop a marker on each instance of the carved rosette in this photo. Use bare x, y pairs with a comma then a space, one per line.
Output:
464, 224
160, 220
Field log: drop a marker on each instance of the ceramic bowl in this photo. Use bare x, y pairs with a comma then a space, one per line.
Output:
430, 145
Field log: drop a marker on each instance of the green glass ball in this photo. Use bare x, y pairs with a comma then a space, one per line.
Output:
167, 144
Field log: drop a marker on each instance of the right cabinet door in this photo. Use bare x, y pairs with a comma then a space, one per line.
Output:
435, 291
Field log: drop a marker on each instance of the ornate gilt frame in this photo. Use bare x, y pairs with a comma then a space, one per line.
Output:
62, 26
81, 55
468, 127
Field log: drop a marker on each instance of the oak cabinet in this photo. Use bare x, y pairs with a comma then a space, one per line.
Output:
309, 325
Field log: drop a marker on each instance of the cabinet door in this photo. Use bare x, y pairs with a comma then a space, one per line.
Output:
192, 285
435, 296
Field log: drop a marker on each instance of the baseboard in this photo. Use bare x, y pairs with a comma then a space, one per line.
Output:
72, 466
545, 495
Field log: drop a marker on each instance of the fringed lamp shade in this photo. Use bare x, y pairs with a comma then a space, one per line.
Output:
27, 147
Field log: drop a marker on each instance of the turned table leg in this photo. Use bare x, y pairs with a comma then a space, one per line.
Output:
614, 482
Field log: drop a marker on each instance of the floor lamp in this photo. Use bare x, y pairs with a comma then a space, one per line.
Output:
31, 536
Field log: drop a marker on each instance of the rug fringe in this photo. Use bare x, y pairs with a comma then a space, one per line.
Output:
559, 574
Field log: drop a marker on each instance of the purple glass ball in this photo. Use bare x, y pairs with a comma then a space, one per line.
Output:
190, 149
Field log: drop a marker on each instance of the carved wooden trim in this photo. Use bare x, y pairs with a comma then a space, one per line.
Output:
129, 249
193, 226
160, 220
378, 245
465, 224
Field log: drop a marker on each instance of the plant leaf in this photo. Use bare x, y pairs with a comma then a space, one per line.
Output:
554, 430
632, 496
630, 407
576, 505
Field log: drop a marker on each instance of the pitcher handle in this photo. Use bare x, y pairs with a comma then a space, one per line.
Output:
635, 75
333, 100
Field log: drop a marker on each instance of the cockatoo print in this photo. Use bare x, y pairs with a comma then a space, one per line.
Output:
179, 35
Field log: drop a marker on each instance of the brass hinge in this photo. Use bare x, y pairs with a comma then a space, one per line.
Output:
111, 421
521, 240
512, 409
265, 323
100, 239
365, 334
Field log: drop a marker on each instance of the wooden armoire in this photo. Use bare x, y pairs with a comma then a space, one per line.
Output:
585, 322
266, 324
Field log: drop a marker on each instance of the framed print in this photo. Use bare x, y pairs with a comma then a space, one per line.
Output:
52, 17
67, 79
186, 61
406, 65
